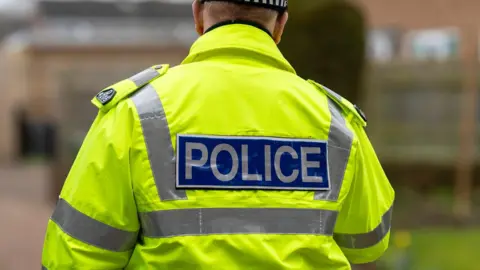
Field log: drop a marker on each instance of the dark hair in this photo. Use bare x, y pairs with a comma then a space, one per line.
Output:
223, 11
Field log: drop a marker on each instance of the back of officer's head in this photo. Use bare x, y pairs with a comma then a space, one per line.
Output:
210, 13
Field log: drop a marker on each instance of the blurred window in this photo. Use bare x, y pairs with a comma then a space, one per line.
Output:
432, 44
382, 44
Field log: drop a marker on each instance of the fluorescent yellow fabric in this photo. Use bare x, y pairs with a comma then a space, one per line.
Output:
127, 87
370, 197
235, 82
350, 112
62, 251
98, 185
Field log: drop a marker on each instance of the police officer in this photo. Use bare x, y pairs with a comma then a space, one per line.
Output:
227, 161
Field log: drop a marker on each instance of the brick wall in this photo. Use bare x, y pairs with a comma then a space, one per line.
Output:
444, 88
422, 14
414, 14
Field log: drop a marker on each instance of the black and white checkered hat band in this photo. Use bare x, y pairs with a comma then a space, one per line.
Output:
276, 4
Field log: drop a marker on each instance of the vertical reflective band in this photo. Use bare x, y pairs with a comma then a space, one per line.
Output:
207, 221
44, 268
91, 231
340, 139
158, 141
144, 77
369, 239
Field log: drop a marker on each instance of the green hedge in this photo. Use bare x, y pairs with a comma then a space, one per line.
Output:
325, 41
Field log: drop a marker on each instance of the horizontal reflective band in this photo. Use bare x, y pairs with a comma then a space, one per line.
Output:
91, 231
207, 221
369, 239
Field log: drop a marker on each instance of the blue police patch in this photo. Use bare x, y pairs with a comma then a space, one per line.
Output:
106, 96
212, 162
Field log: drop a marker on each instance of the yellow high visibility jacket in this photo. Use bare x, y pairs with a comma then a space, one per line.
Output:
227, 161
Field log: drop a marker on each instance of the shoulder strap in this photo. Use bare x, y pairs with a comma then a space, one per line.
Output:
112, 95
350, 109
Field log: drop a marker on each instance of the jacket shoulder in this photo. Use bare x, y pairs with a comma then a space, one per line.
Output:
109, 97
348, 108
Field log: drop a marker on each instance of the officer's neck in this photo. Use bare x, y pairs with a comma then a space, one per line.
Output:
214, 25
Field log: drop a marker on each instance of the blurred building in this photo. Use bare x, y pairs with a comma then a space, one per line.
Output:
12, 18
418, 52
71, 50
410, 28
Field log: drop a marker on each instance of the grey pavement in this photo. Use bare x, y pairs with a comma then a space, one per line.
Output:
24, 215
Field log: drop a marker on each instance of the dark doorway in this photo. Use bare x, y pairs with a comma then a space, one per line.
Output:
35, 139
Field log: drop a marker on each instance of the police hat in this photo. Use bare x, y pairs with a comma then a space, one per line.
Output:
280, 5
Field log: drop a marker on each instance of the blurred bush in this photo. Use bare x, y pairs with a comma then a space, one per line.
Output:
325, 41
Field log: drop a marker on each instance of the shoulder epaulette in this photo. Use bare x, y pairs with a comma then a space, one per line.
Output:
112, 95
349, 108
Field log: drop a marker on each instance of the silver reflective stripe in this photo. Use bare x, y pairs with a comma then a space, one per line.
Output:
44, 268
91, 231
369, 239
144, 77
207, 221
158, 141
336, 95
340, 139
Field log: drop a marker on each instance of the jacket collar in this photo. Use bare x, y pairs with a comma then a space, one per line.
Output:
238, 36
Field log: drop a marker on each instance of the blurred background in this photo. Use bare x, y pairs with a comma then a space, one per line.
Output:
412, 66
